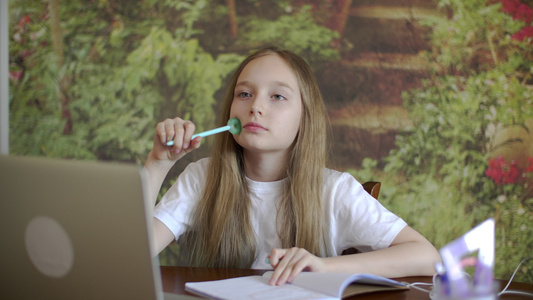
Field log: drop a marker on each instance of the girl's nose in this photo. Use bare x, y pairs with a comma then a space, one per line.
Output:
256, 108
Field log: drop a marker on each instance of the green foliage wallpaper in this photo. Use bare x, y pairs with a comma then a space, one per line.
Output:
432, 98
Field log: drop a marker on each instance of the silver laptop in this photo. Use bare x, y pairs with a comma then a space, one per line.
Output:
75, 230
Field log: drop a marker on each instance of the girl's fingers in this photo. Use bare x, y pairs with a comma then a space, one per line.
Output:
280, 259
194, 144
301, 264
189, 130
176, 130
161, 133
176, 127
290, 269
289, 263
179, 132
276, 255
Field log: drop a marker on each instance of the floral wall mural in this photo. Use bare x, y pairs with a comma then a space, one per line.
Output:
432, 98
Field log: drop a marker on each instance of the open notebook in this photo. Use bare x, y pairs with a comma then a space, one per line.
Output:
75, 230
307, 285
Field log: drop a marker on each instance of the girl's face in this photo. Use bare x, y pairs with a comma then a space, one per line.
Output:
268, 103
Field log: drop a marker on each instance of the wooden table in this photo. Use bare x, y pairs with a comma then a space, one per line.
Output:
174, 279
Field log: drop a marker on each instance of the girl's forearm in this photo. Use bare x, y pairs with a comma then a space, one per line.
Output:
156, 172
416, 258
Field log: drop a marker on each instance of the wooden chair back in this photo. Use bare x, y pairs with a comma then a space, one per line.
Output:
372, 187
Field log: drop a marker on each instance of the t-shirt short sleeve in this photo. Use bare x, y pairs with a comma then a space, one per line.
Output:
356, 219
175, 208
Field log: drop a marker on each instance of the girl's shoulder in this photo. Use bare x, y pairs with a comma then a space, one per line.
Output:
332, 176
194, 171
198, 166
341, 183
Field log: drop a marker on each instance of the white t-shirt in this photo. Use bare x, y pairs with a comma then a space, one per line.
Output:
353, 217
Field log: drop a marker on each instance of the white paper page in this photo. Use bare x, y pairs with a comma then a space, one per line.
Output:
331, 284
252, 287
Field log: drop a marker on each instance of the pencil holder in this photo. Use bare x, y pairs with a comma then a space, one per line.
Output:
442, 291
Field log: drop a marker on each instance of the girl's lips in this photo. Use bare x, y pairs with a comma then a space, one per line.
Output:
252, 126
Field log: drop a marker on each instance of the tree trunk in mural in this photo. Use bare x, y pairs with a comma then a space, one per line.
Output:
63, 81
339, 17
232, 17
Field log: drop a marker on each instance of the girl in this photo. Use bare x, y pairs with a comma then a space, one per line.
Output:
264, 199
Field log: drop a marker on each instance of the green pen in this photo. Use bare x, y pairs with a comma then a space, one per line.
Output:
234, 127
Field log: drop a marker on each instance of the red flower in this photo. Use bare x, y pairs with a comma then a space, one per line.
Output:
510, 6
23, 21
529, 167
494, 171
25, 53
502, 172
524, 13
511, 173
518, 10
15, 75
524, 33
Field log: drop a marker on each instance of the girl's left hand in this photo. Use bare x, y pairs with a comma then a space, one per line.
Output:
290, 262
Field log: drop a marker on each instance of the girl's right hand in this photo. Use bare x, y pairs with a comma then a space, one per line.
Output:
162, 157
177, 130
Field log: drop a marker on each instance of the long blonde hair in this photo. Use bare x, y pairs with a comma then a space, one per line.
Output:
221, 234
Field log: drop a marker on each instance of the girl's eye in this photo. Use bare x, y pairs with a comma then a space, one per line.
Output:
279, 97
243, 95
